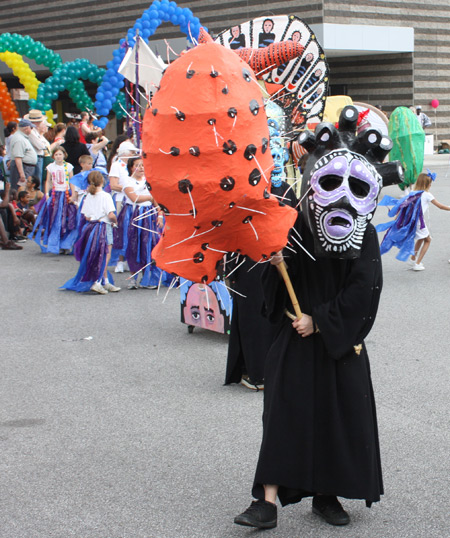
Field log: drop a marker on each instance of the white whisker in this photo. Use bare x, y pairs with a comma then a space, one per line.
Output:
248, 209
304, 249
303, 197
237, 267
159, 283
234, 291
215, 250
253, 228
253, 266
129, 115
192, 202
172, 284
261, 170
265, 69
146, 229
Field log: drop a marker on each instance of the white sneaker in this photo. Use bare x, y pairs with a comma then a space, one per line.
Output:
133, 285
110, 287
98, 288
119, 267
418, 267
411, 262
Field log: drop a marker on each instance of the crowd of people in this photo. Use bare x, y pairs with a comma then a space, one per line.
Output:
59, 181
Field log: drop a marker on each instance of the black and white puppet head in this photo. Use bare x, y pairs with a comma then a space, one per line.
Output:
341, 183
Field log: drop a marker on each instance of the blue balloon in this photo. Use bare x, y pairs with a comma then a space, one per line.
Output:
112, 81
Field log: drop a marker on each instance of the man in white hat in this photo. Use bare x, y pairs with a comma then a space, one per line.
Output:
424, 120
23, 155
38, 140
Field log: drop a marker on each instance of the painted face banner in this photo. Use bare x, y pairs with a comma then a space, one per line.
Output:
300, 86
206, 306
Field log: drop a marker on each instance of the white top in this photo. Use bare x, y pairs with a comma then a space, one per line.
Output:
98, 206
139, 187
119, 169
58, 175
425, 200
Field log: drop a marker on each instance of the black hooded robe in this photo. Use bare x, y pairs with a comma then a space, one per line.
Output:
251, 333
319, 422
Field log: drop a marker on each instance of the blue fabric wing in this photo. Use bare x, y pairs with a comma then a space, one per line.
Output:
402, 230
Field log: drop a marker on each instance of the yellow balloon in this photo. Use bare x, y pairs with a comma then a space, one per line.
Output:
26, 76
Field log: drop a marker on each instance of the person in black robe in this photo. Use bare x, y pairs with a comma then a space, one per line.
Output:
251, 333
320, 435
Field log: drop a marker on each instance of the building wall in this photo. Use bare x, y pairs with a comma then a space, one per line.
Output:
389, 80
66, 24
430, 64
385, 80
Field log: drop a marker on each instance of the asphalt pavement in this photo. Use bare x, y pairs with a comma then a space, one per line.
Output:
114, 421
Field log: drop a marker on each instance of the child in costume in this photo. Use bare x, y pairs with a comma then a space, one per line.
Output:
55, 227
144, 224
118, 176
93, 249
423, 237
79, 185
408, 231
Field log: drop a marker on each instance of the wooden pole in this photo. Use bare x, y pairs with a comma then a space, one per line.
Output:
283, 271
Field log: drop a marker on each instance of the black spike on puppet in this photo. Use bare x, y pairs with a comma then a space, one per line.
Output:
365, 141
307, 140
380, 152
327, 136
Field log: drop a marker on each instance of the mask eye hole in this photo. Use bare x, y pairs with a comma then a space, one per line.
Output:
359, 188
330, 182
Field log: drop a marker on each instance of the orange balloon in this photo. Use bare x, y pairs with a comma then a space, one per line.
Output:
8, 109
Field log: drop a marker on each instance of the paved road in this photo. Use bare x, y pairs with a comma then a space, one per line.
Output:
114, 422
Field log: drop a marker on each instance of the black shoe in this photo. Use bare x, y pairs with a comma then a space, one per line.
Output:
330, 509
250, 384
260, 514
18, 239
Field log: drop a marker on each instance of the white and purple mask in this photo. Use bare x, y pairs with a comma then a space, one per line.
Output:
341, 183
343, 197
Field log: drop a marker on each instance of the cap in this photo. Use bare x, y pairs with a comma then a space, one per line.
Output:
25, 123
127, 147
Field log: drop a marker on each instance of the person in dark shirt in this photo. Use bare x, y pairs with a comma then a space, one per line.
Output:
74, 148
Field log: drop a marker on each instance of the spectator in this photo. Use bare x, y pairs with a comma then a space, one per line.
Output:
38, 140
23, 155
2, 166
10, 129
60, 133
10, 219
424, 120
96, 143
85, 127
32, 187
24, 213
6, 243
74, 148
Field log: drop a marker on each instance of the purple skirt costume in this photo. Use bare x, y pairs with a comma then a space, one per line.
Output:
120, 234
91, 251
57, 219
140, 243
